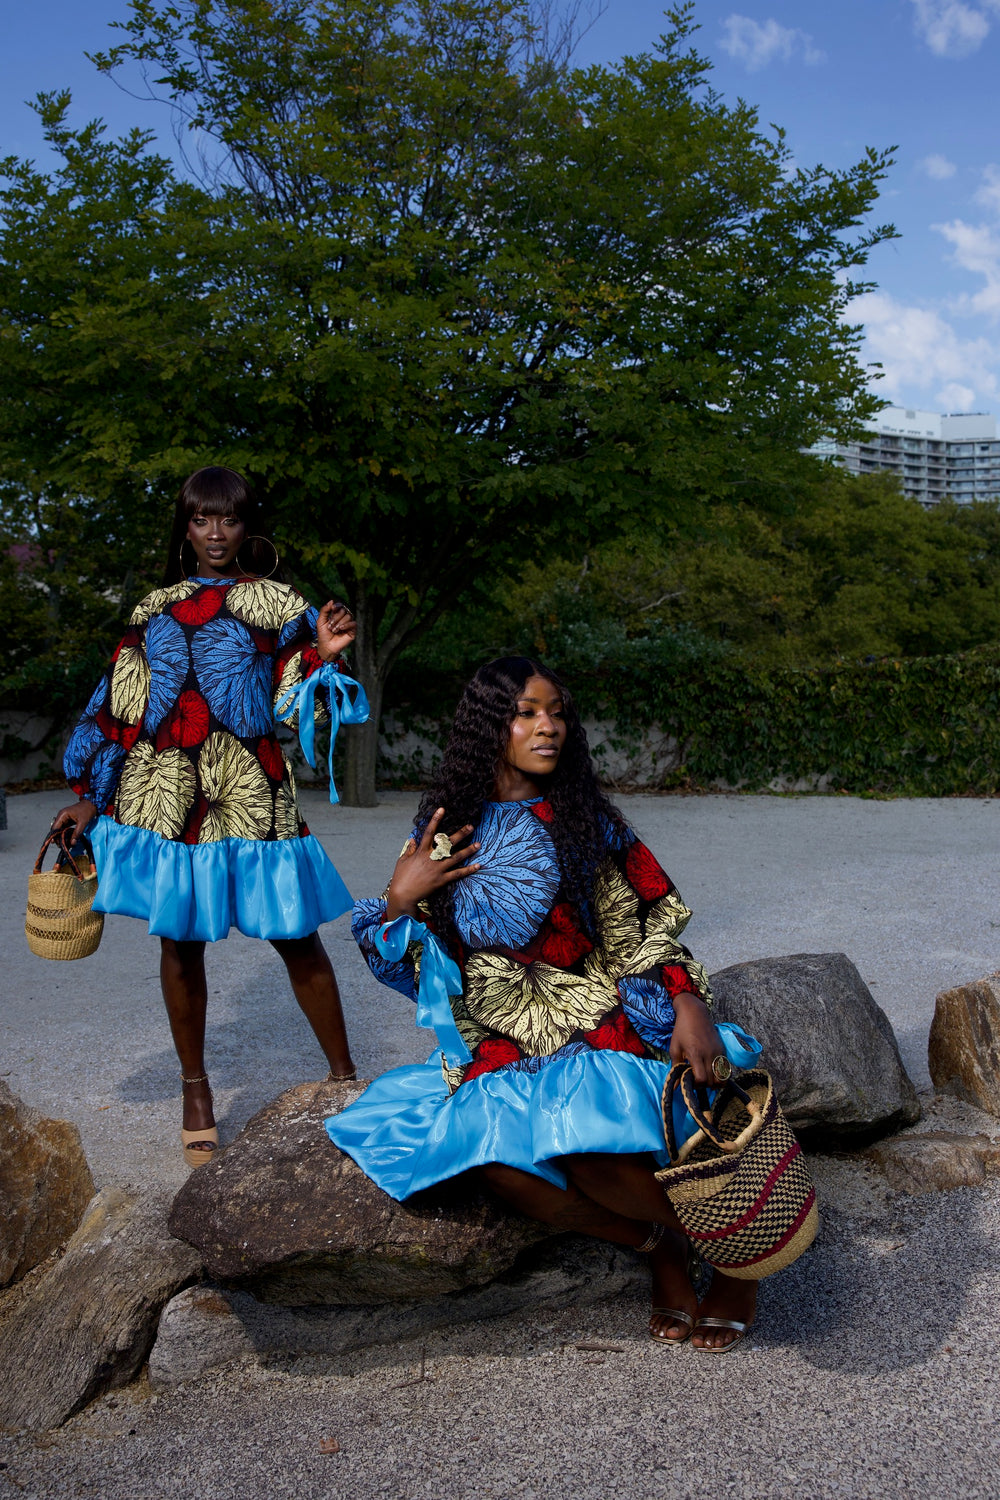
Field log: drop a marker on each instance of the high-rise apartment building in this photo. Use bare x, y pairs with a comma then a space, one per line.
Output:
933, 455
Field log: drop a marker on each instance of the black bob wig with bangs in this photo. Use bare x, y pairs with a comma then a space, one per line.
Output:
218, 491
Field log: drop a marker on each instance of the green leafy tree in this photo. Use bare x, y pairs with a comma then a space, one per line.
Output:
855, 569
452, 303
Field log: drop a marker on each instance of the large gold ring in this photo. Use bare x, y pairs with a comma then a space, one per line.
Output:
442, 847
722, 1068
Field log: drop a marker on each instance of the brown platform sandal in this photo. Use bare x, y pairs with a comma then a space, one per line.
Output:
194, 1142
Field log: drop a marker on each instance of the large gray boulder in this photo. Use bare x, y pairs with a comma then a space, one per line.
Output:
88, 1324
291, 1219
828, 1046
45, 1185
208, 1327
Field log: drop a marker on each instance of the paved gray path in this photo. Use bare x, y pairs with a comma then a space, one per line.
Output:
872, 1370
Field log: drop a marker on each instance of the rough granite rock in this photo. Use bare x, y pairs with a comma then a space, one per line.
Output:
88, 1324
208, 1327
828, 1046
935, 1161
963, 1052
45, 1185
293, 1220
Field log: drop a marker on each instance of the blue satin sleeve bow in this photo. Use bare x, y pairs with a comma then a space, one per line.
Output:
301, 700
439, 979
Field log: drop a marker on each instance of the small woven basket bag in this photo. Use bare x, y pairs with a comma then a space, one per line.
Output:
60, 921
740, 1185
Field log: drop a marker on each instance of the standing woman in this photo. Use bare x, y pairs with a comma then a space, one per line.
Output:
176, 757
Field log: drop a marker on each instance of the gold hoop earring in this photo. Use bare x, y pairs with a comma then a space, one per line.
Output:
180, 554
273, 548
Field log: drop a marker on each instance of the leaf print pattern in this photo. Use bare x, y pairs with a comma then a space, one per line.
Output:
105, 769
87, 737
236, 790
200, 607
538, 1007
130, 684
647, 1006
156, 789
234, 676
471, 1032
664, 920
167, 656
265, 605
616, 908
286, 817
270, 756
302, 625
508, 898
156, 601
186, 671
189, 720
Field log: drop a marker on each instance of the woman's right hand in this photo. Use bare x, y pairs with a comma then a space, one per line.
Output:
78, 814
417, 876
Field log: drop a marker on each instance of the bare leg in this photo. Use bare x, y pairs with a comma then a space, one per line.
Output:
315, 985
182, 979
628, 1184
626, 1221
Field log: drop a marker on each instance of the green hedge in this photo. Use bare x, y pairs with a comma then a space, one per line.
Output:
928, 726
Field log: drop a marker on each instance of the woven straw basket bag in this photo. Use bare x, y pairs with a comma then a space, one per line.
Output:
60, 920
740, 1186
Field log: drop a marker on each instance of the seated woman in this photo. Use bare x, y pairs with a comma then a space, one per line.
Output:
570, 997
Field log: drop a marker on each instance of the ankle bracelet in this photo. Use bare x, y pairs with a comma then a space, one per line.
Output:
656, 1233
202, 1078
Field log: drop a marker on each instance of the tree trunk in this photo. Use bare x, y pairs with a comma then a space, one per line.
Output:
361, 740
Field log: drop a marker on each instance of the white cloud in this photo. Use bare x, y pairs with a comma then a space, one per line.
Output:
926, 361
756, 43
989, 193
938, 167
976, 248
951, 28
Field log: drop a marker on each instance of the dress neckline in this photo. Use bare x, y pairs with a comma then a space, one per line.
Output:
217, 582
515, 802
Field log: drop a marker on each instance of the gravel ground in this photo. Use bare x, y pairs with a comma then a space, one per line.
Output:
871, 1370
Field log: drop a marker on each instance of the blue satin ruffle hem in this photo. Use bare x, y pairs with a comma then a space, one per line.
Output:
280, 888
407, 1133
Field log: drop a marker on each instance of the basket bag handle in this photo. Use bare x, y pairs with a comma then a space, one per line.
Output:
696, 1103
60, 837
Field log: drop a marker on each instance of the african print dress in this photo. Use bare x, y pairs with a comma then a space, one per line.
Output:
199, 828
566, 1037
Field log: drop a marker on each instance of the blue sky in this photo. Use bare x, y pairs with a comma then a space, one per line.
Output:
918, 74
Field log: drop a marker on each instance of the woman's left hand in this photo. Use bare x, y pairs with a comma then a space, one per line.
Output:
335, 629
695, 1039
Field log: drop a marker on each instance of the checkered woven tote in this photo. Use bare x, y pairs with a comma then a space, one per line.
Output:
740, 1185
60, 921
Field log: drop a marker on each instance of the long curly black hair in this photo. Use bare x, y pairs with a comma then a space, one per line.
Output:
467, 775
